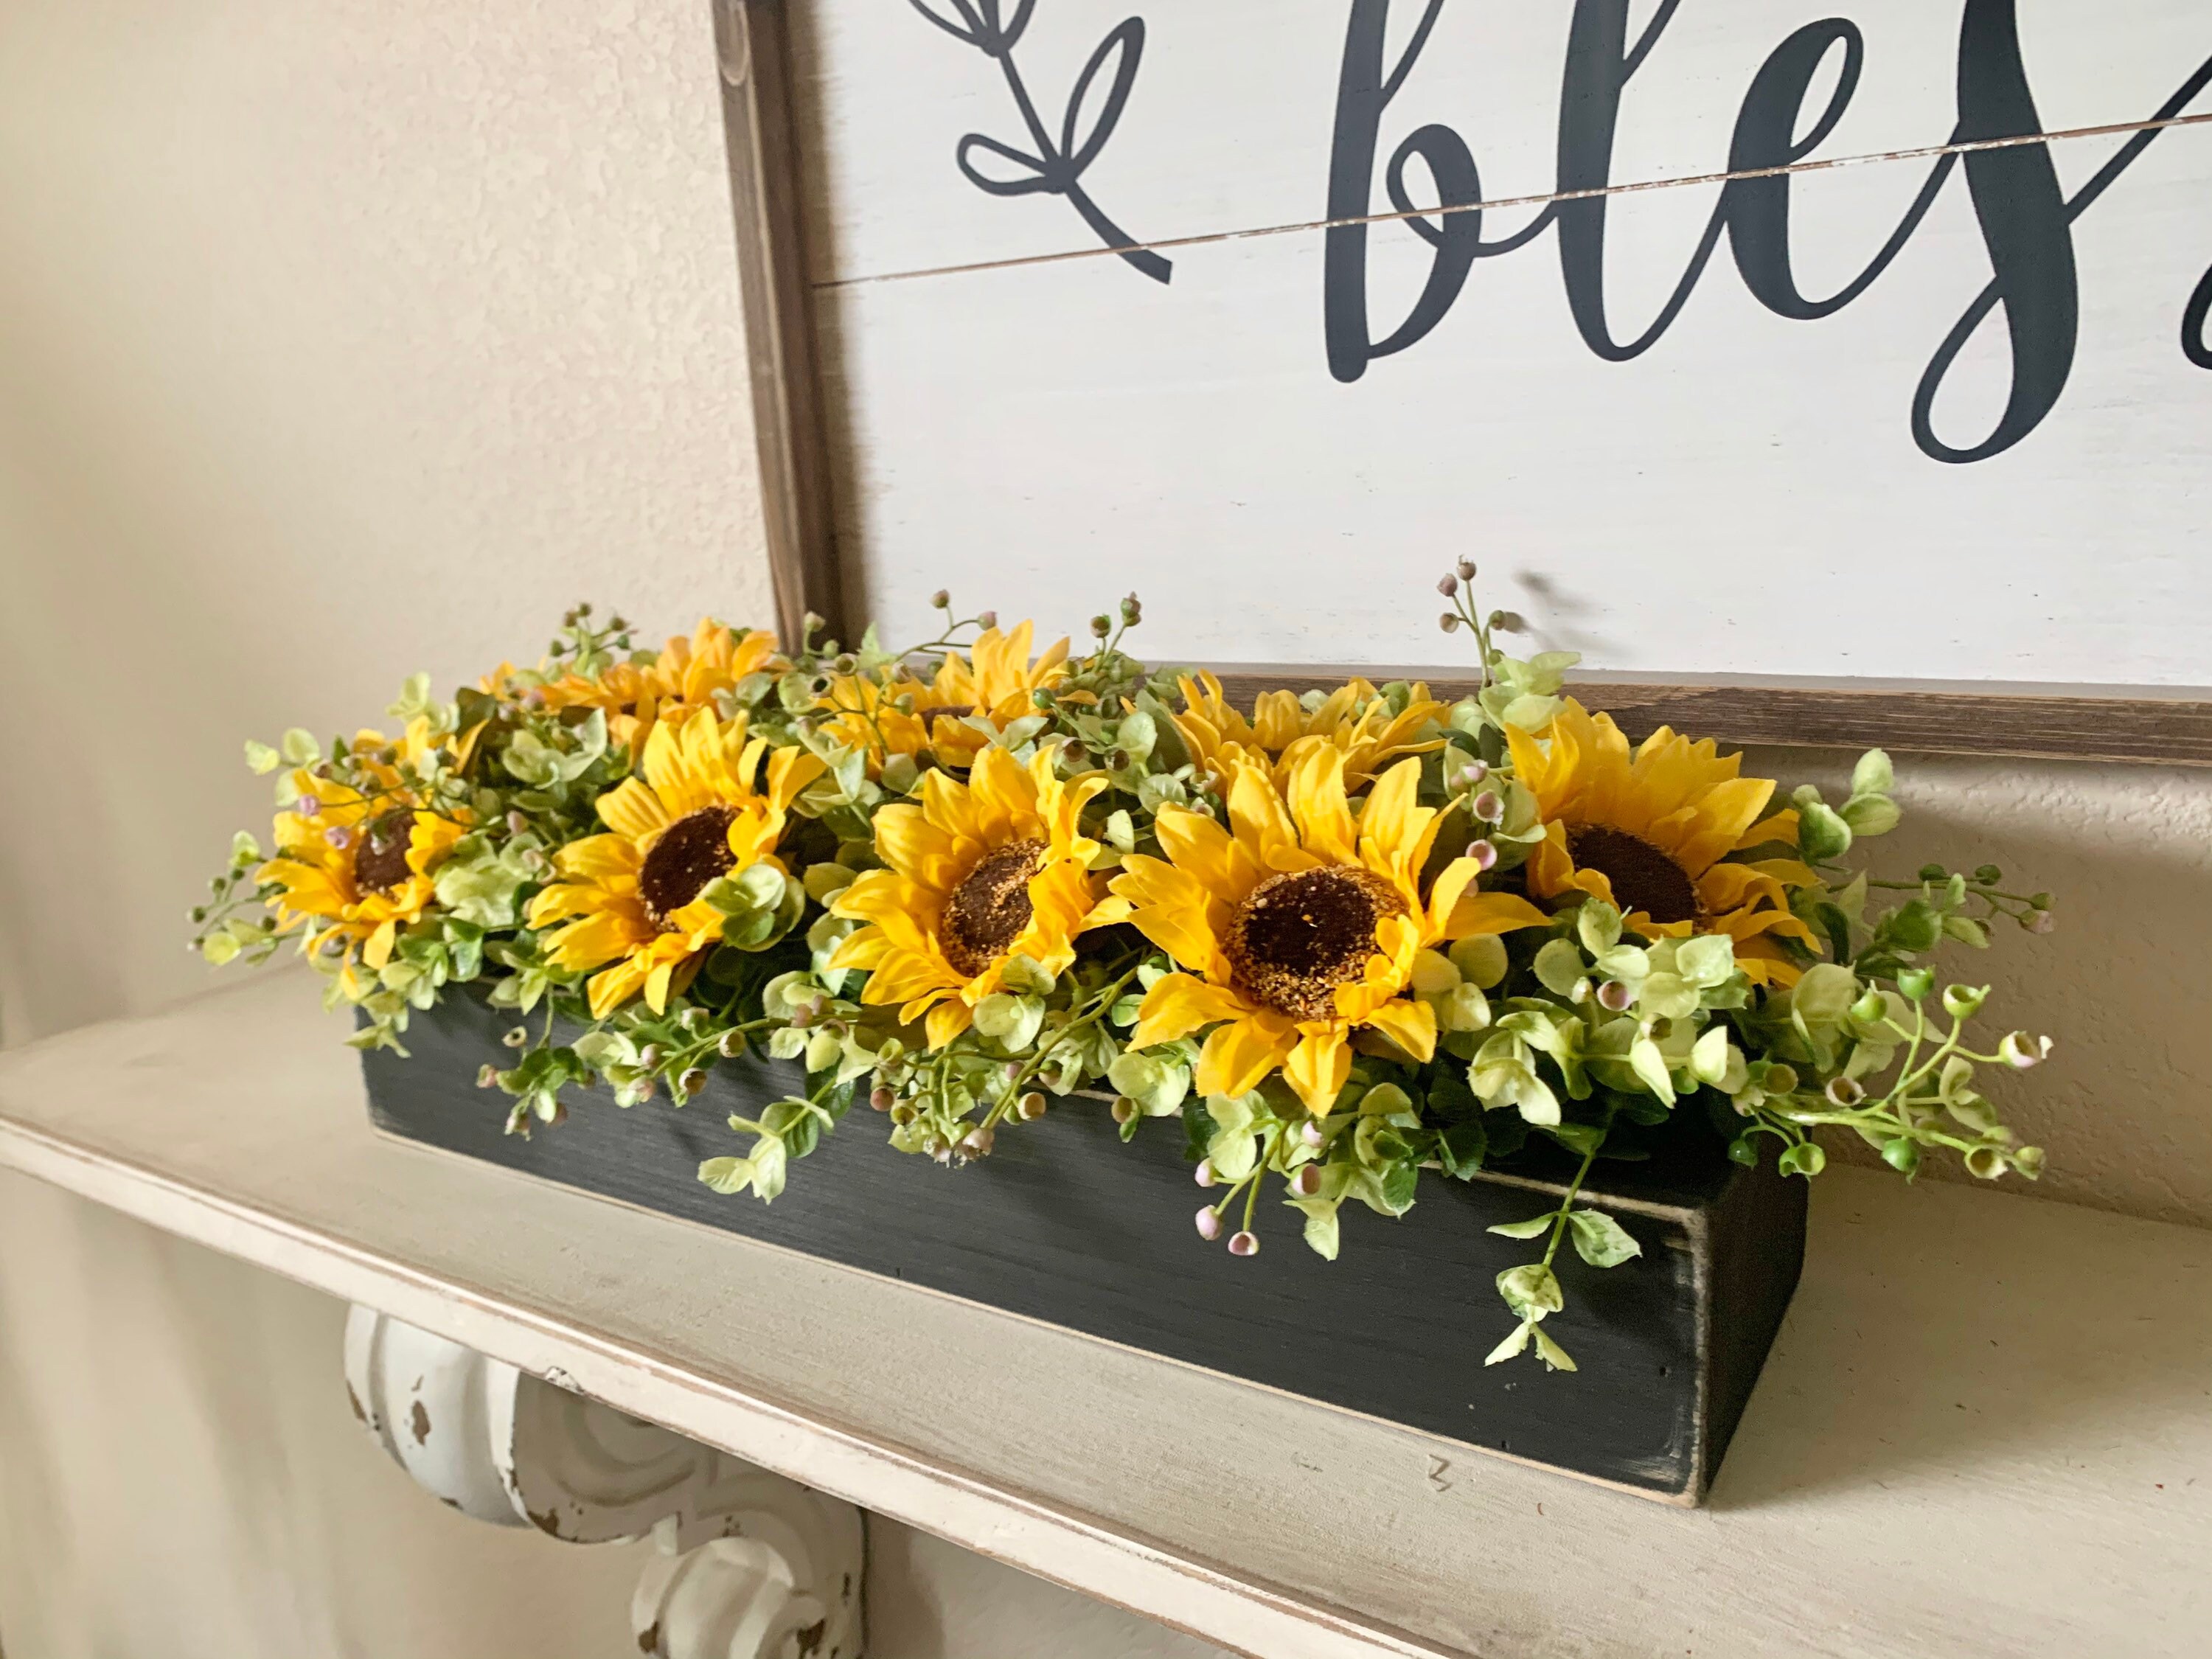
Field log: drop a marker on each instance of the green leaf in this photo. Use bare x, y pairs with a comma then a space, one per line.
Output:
1480, 959
1708, 1059
1551, 1352
1531, 1290
1121, 831
1650, 1068
1915, 926
1598, 926
1559, 967
1600, 1240
1822, 832
1462, 1146
1707, 960
219, 948
1321, 1224
1516, 1343
1872, 815
298, 746
728, 1175
1967, 931
1534, 1227
1874, 775
1667, 996
261, 757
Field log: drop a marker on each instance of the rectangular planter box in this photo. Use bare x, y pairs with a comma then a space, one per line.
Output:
1065, 1225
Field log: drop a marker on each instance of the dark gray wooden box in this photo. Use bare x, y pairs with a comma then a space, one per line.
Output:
1064, 1223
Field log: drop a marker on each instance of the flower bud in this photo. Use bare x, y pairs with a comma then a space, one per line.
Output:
977, 1142
902, 1114
810, 624
987, 619
1914, 984
1031, 1106
1209, 1225
1506, 622
2020, 1051
309, 807
1204, 1173
514, 1037
1901, 1155
1125, 1110
2028, 1161
1448, 584
694, 1080
517, 823
1870, 1009
1311, 1132
881, 1099
652, 1057
644, 1089
1964, 1001
1132, 612
1489, 806
1614, 997
1244, 1244
1041, 698
487, 1076
1484, 852
339, 837
941, 599
1844, 1092
1466, 569
730, 1044
2040, 922
1101, 626
1449, 621
1307, 1182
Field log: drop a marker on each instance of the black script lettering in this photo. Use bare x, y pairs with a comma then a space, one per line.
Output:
2194, 345
1362, 93
2025, 226
2031, 299
1599, 60
1765, 139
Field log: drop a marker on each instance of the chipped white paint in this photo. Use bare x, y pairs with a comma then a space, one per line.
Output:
750, 1566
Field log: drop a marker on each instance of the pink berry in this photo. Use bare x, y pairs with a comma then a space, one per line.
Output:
1244, 1244
1209, 1225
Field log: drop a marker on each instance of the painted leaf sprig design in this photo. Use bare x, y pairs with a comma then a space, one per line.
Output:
1354, 940
1052, 165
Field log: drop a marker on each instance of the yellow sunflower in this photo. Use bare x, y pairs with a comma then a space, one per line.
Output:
669, 688
1652, 833
980, 873
359, 864
995, 680
1302, 924
631, 898
1354, 719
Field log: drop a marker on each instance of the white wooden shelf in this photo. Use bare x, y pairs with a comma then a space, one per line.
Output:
1986, 1427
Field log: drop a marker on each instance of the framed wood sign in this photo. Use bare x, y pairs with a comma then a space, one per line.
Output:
1814, 371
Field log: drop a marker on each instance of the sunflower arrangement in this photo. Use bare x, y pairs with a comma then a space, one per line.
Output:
1350, 941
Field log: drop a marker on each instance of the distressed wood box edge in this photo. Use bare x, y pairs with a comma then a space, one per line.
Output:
1095, 1239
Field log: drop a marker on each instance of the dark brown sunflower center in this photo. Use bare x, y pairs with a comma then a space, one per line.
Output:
691, 852
1298, 937
379, 863
988, 911
1643, 877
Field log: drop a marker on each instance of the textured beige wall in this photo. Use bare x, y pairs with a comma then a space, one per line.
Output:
335, 341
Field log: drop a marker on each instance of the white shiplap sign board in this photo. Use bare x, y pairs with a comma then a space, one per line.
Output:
1041, 422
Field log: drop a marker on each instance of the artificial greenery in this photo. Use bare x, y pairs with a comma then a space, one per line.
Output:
1353, 940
